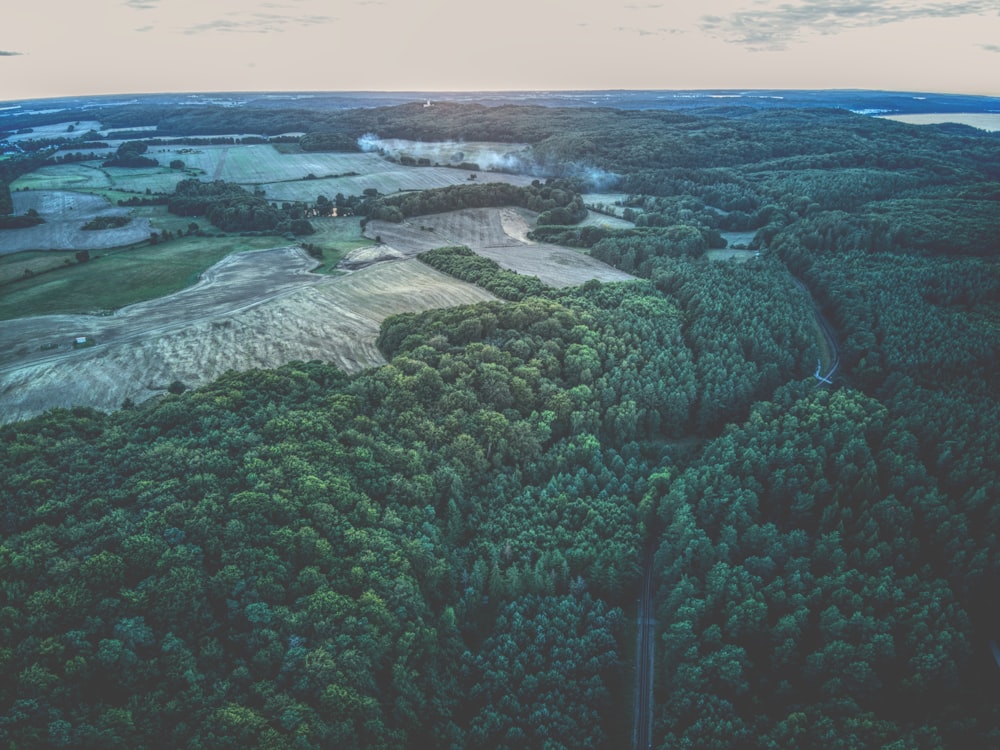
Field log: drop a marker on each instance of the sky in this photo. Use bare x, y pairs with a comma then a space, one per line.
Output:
52, 48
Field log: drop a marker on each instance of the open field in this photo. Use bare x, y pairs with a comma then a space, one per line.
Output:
56, 130
337, 236
607, 200
84, 176
989, 121
13, 266
281, 175
738, 239
389, 178
117, 278
65, 213
595, 219
497, 233
731, 254
258, 309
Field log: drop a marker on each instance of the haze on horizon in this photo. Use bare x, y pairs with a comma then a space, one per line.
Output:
52, 48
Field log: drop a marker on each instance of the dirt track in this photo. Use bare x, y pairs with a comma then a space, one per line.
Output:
256, 309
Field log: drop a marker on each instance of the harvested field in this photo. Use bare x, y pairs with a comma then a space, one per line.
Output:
497, 233
65, 213
387, 179
256, 309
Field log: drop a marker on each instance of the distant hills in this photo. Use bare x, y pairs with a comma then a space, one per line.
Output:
21, 113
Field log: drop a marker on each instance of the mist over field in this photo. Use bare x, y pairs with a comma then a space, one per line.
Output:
512, 158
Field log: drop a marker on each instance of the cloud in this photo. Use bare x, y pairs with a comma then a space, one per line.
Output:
7, 53
142, 4
991, 47
145, 28
256, 23
661, 31
773, 27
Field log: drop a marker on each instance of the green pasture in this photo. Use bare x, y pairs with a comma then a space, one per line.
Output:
113, 279
13, 267
82, 176
337, 236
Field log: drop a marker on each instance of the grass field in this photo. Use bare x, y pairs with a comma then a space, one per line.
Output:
607, 200
13, 266
84, 176
337, 237
595, 219
263, 163
117, 278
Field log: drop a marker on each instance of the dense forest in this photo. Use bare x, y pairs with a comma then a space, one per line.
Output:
445, 551
233, 209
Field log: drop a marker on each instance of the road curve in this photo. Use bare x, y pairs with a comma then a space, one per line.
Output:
828, 336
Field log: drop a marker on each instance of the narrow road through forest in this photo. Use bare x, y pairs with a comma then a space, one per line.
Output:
830, 348
642, 732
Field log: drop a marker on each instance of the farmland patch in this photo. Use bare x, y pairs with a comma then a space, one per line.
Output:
388, 178
499, 234
56, 130
254, 310
65, 214
120, 278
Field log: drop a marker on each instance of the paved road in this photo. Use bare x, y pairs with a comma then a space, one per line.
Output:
642, 732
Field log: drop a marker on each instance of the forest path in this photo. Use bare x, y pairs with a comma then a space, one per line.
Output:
829, 350
642, 732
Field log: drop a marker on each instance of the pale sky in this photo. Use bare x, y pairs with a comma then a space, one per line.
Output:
75, 47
